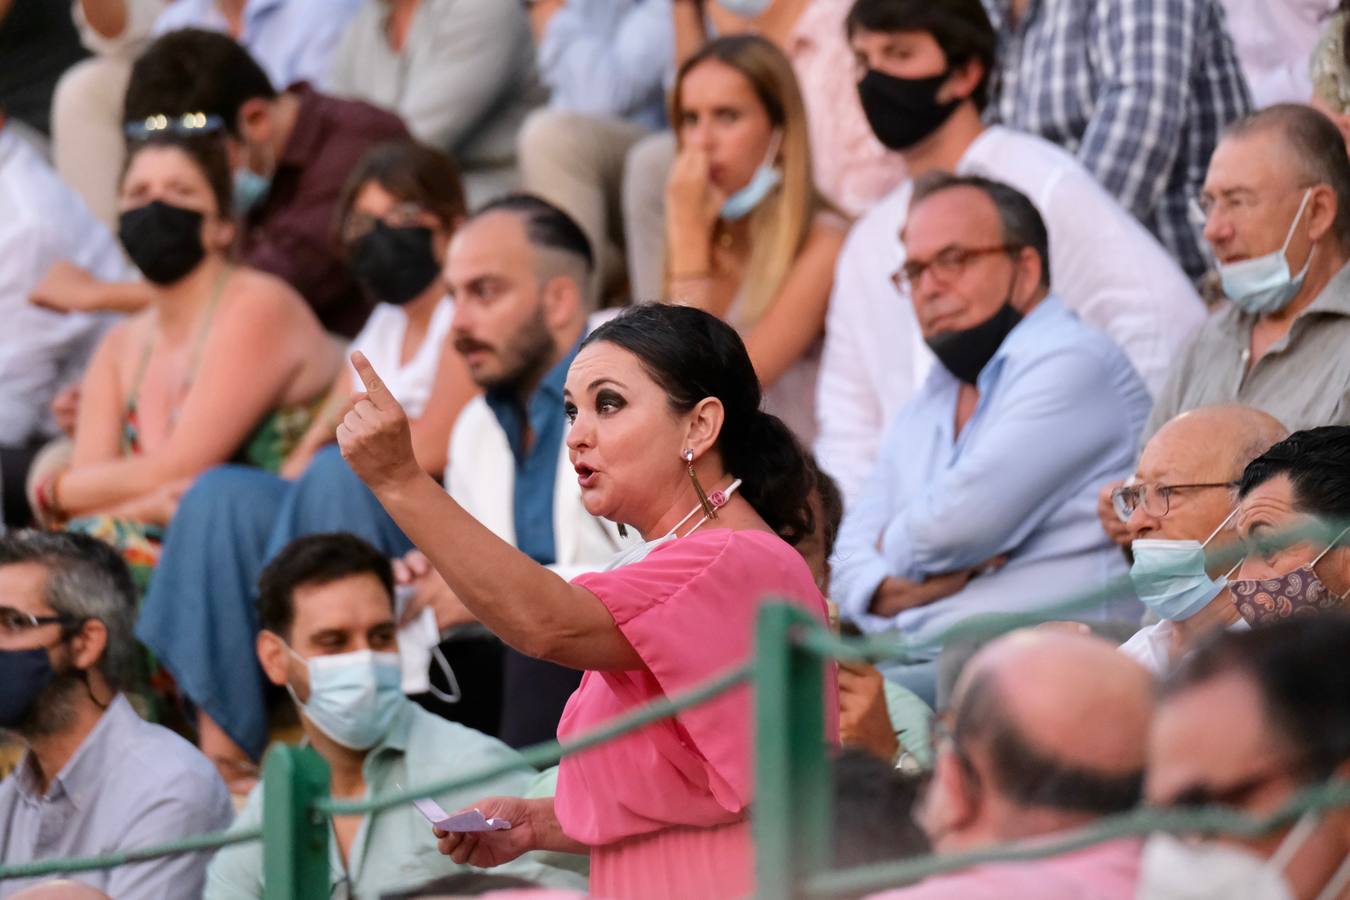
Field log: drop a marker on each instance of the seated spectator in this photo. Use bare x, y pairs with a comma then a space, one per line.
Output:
1178, 503
42, 222
1032, 748
290, 153
874, 357
326, 607
401, 206
1303, 480
1249, 720
460, 73
749, 238
88, 149
1277, 215
958, 518
504, 265
848, 165
96, 778
226, 362
293, 40
605, 64
1137, 91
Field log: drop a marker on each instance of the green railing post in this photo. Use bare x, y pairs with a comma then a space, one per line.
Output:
792, 781
295, 835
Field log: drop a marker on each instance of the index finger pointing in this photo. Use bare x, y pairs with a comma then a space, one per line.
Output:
375, 389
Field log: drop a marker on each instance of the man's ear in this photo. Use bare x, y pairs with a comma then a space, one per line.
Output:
952, 804
88, 645
1322, 205
274, 657
254, 121
563, 301
963, 81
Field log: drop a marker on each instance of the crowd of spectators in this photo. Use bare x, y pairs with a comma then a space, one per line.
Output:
367, 354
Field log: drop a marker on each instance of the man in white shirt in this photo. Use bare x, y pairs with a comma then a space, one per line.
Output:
96, 778
1177, 504
927, 69
42, 223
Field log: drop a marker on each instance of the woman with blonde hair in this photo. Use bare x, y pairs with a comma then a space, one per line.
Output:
748, 236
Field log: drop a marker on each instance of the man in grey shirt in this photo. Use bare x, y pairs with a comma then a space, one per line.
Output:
1277, 216
96, 778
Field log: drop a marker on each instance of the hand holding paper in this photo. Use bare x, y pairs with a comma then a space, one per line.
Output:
468, 821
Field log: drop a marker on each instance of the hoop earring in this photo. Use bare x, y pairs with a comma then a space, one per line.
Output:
708, 509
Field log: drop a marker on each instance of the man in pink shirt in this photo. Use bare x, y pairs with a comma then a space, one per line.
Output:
1032, 749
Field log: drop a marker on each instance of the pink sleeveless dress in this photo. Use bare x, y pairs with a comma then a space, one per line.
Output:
665, 809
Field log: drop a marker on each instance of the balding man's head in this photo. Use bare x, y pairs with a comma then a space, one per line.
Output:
60, 890
1210, 445
1052, 729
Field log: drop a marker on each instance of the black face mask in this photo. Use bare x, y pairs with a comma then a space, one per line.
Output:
395, 264
24, 675
903, 111
164, 241
966, 353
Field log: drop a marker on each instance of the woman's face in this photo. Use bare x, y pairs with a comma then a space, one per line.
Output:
373, 203
171, 176
721, 114
624, 440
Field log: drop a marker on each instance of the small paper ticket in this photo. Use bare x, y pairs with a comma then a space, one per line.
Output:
473, 820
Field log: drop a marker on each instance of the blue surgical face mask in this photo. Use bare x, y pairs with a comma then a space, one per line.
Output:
250, 189
1262, 285
747, 9
1169, 575
766, 178
353, 697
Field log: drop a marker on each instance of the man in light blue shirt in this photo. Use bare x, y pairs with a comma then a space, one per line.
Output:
606, 64
293, 40
326, 608
984, 496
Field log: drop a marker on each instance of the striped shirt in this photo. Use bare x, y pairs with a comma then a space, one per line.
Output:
1139, 90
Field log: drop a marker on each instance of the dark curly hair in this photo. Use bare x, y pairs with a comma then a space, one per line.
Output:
1317, 461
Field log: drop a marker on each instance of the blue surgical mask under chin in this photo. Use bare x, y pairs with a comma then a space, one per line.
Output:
766, 178
1169, 575
250, 189
747, 9
1262, 285
353, 697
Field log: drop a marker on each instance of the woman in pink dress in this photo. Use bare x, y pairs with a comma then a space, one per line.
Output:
663, 403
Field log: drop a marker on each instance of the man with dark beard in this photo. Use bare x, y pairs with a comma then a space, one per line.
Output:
96, 778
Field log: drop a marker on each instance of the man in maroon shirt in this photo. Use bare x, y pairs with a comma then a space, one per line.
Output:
290, 151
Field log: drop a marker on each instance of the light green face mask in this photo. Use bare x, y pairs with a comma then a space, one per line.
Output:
1169, 576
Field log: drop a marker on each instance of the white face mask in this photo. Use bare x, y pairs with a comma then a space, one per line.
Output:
1262, 285
639, 552
353, 697
1175, 869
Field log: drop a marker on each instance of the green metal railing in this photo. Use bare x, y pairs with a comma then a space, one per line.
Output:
791, 814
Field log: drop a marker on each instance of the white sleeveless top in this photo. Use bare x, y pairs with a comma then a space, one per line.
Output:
381, 340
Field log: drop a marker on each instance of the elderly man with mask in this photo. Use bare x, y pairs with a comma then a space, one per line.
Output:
1032, 749
1277, 217
1247, 721
1303, 482
983, 498
1180, 501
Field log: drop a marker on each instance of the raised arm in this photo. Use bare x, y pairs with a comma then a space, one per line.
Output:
520, 601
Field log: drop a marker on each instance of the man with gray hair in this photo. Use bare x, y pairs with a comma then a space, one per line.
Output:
96, 778
983, 499
1276, 204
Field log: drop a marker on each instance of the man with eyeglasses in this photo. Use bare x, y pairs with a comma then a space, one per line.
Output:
1276, 205
1047, 733
924, 80
984, 496
96, 778
1178, 504
1248, 720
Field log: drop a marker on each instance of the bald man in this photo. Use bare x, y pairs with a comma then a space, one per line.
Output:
1180, 501
1048, 732
60, 890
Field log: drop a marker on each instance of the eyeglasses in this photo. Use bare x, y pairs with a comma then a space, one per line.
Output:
14, 622
1155, 498
947, 265
357, 225
186, 125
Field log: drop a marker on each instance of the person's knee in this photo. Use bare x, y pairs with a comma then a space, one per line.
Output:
223, 492
547, 136
91, 91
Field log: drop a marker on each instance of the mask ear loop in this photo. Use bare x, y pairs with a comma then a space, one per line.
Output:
451, 681
1293, 842
1335, 542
